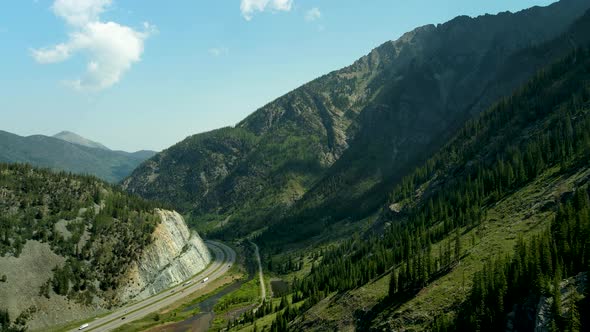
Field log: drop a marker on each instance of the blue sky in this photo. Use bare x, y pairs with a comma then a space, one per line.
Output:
145, 74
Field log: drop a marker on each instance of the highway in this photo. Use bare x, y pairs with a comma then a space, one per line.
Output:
224, 258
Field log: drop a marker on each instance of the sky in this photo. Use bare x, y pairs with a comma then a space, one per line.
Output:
146, 74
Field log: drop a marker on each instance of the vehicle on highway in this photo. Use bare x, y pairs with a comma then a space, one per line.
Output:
205, 280
187, 283
123, 317
83, 326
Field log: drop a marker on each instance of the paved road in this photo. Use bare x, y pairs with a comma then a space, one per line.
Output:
261, 276
224, 258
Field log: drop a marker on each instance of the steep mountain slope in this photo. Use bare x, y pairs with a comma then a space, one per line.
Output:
464, 66
306, 216
59, 154
74, 138
514, 170
491, 225
329, 149
74, 246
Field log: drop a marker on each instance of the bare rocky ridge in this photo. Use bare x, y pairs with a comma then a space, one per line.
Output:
175, 255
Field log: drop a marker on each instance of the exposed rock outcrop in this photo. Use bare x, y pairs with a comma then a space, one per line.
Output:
570, 289
175, 255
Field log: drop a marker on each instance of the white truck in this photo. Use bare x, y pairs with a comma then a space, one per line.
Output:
83, 326
205, 280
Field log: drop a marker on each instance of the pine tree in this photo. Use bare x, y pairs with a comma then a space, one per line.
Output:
556, 305
573, 323
457, 246
393, 286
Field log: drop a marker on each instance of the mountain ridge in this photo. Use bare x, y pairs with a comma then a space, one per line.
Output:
337, 142
74, 138
58, 154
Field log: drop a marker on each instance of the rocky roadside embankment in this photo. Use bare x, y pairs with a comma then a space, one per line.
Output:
175, 255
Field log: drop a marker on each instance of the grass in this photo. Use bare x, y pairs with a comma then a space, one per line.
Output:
74, 325
264, 322
178, 311
206, 223
248, 294
516, 215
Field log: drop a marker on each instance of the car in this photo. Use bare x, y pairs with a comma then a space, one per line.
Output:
123, 317
83, 326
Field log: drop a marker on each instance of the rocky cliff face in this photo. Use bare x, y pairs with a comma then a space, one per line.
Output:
175, 255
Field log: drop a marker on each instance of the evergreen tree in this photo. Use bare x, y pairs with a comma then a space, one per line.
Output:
457, 246
392, 284
573, 320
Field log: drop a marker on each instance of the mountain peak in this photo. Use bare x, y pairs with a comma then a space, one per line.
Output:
74, 138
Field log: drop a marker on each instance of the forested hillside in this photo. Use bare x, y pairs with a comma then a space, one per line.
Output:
79, 232
331, 149
440, 218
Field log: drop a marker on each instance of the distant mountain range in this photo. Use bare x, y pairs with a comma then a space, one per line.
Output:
74, 138
70, 152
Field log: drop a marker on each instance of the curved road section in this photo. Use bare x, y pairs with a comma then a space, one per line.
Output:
224, 258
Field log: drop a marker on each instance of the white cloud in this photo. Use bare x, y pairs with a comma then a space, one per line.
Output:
80, 12
249, 7
313, 14
218, 51
111, 48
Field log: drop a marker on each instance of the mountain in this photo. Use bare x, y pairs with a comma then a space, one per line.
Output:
68, 136
490, 233
58, 154
73, 247
331, 149
484, 230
